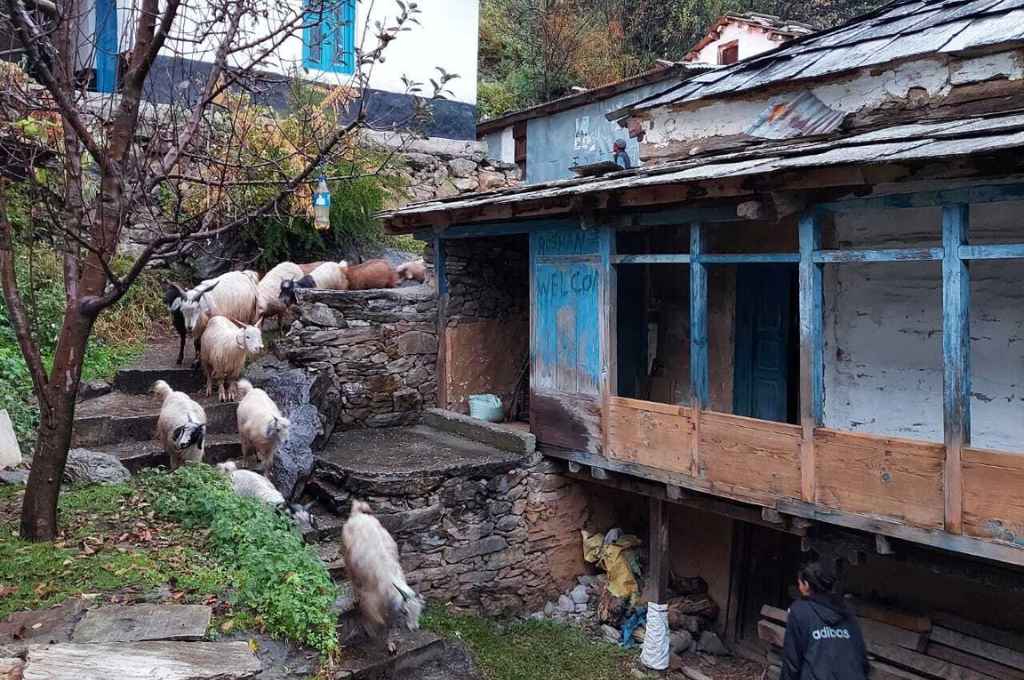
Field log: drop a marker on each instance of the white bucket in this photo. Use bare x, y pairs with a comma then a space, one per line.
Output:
486, 407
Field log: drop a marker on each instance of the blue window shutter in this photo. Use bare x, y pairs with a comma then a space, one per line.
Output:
106, 46
330, 44
312, 38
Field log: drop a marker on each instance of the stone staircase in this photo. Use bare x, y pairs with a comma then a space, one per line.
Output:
123, 421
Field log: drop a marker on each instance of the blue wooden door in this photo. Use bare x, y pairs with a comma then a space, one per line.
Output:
764, 324
106, 45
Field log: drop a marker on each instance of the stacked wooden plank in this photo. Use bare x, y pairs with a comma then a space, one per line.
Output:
904, 646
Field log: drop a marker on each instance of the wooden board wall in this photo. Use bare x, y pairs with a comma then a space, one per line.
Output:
751, 458
652, 434
994, 495
569, 421
484, 357
881, 476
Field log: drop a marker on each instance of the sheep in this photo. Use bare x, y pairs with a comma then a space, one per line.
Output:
226, 343
249, 484
309, 267
234, 295
181, 426
269, 289
173, 293
414, 270
261, 427
371, 559
329, 276
371, 274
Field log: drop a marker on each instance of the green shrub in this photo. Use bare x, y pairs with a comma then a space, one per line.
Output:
278, 577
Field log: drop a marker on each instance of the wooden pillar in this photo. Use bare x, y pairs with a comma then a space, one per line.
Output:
956, 357
698, 321
656, 586
441, 276
811, 349
609, 329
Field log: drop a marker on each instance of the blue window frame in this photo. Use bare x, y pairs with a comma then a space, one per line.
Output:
329, 41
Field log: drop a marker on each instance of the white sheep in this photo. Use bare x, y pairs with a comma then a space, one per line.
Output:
330, 276
226, 344
414, 270
234, 295
371, 560
249, 484
270, 289
261, 427
181, 426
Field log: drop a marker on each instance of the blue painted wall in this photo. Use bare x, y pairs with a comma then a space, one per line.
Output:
583, 133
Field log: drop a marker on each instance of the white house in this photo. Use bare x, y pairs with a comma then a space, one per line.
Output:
739, 36
321, 39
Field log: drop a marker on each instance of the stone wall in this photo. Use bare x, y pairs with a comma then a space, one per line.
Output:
379, 346
494, 541
442, 168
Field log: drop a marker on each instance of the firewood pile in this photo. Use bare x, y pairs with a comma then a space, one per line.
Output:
904, 646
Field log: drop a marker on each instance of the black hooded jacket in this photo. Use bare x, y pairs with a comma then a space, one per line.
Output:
823, 642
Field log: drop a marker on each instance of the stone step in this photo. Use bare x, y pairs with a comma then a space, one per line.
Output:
140, 380
334, 498
136, 455
118, 417
365, 659
504, 436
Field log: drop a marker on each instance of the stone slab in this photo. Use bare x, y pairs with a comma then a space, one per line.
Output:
364, 659
10, 452
42, 625
136, 623
492, 434
143, 661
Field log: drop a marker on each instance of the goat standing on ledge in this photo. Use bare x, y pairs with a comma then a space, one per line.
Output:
371, 559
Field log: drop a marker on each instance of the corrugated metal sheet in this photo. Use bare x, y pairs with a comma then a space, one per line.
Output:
913, 141
896, 31
802, 116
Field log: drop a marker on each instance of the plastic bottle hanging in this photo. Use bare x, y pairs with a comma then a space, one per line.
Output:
322, 205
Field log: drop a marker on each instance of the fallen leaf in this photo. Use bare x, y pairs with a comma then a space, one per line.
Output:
227, 626
7, 590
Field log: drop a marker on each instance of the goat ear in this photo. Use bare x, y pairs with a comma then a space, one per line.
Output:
236, 322
176, 305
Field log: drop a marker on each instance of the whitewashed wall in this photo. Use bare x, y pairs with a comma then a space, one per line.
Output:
883, 330
751, 41
446, 37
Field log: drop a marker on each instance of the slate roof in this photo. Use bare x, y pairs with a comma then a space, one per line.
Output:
901, 29
913, 141
769, 22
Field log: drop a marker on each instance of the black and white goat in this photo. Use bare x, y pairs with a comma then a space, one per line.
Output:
181, 426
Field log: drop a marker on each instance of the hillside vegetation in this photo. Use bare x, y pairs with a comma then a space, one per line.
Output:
532, 51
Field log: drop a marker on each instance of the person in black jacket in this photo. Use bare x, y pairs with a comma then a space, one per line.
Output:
823, 639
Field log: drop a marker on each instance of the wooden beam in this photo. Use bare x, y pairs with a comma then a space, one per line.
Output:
651, 259
991, 193
1008, 251
508, 227
883, 255
749, 258
956, 353
811, 349
659, 556
441, 276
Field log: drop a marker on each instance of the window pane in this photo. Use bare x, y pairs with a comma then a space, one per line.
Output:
316, 39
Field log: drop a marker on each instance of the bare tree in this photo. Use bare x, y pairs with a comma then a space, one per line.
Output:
100, 165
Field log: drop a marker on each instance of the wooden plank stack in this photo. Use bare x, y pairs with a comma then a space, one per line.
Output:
904, 646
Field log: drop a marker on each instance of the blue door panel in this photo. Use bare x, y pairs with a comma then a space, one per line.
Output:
763, 309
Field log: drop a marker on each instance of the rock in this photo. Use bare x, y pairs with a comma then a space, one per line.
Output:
14, 477
417, 342
10, 669
537, 616
10, 452
565, 604
93, 389
693, 674
482, 547
464, 184
549, 608
94, 467
42, 625
688, 585
293, 460
611, 634
581, 608
142, 661
461, 167
680, 641
610, 609
135, 623
579, 594
710, 643
688, 622
675, 663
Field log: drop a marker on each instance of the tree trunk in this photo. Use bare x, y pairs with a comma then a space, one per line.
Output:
39, 509
56, 420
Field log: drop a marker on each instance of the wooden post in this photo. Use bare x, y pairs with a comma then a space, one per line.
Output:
608, 312
956, 355
656, 588
442, 322
811, 349
698, 342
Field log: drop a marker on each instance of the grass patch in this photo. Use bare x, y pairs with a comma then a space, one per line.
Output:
111, 546
529, 650
276, 576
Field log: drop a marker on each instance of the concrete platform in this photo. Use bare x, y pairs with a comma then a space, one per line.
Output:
118, 417
136, 455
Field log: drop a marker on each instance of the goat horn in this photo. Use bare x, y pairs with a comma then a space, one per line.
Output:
405, 596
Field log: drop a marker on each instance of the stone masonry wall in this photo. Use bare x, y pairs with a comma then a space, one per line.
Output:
491, 541
380, 347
